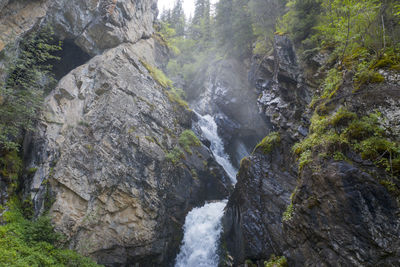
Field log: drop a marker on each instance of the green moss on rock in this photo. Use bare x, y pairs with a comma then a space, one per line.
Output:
276, 261
367, 77
188, 139
343, 131
175, 155
269, 142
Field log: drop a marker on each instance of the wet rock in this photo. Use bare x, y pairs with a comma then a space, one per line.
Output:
287, 96
223, 89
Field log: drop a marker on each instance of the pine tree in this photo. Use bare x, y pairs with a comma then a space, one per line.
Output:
234, 26
178, 19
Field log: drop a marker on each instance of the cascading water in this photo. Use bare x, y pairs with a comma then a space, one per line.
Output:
202, 231
203, 227
210, 131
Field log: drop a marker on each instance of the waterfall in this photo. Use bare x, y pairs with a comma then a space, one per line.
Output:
202, 231
210, 131
203, 227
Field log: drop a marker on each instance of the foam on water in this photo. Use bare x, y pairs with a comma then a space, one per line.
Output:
202, 232
203, 227
210, 131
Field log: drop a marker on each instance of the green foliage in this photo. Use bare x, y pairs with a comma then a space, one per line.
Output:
363, 128
175, 155
342, 117
250, 263
338, 156
391, 187
176, 95
10, 165
301, 18
234, 27
264, 14
269, 142
332, 83
344, 27
288, 214
305, 158
260, 48
32, 243
275, 261
157, 74
28, 77
188, 139
343, 130
348, 24
367, 77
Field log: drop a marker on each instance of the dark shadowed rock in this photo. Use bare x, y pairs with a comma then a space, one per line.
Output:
253, 218
342, 215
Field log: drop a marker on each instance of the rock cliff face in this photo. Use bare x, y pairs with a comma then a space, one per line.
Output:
103, 141
94, 25
332, 212
105, 132
253, 220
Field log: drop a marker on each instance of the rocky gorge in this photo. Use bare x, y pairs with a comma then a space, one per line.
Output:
126, 169
100, 149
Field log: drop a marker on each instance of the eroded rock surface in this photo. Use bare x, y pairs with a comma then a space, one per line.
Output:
342, 215
94, 25
102, 146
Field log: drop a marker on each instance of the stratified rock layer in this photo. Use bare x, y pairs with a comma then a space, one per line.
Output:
102, 146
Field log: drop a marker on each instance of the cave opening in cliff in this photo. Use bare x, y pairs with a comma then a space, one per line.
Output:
71, 56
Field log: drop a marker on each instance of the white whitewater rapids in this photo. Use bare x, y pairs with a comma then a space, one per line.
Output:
202, 231
210, 131
203, 227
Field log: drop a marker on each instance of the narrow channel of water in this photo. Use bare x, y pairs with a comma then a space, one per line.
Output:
203, 227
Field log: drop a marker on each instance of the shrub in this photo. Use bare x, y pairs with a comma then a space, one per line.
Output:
10, 165
367, 77
288, 214
332, 83
176, 95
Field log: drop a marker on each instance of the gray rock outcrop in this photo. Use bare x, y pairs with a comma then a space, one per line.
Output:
332, 212
102, 147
